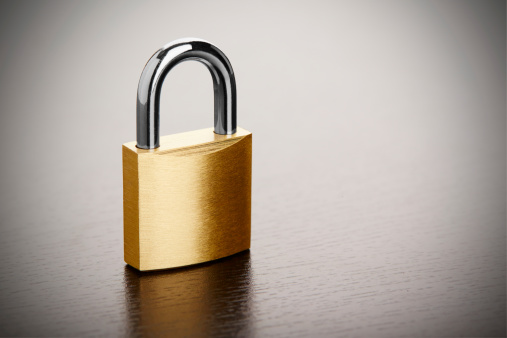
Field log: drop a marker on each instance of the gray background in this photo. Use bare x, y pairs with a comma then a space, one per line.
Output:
377, 124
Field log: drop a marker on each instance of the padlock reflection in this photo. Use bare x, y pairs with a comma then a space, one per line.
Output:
207, 299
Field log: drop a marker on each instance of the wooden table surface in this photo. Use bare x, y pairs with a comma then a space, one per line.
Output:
357, 249
379, 192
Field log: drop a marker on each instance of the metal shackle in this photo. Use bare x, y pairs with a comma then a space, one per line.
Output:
154, 73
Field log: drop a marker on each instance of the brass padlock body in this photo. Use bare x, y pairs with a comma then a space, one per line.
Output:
188, 201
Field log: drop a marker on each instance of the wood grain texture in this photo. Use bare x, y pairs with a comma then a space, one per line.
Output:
379, 169
340, 253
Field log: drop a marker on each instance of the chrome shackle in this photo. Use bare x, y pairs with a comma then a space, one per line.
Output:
154, 73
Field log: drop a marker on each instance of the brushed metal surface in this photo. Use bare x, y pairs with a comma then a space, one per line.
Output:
188, 201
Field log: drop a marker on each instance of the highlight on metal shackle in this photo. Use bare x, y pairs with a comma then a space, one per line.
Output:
154, 73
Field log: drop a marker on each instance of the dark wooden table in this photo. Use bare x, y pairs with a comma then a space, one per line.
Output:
379, 191
354, 249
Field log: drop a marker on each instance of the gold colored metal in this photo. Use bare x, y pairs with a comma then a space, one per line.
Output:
188, 201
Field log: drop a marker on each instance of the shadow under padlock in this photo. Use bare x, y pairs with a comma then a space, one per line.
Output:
203, 300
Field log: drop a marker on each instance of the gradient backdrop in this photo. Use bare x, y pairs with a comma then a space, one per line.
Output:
383, 86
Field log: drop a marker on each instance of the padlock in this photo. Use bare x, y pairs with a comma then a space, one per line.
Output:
187, 196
